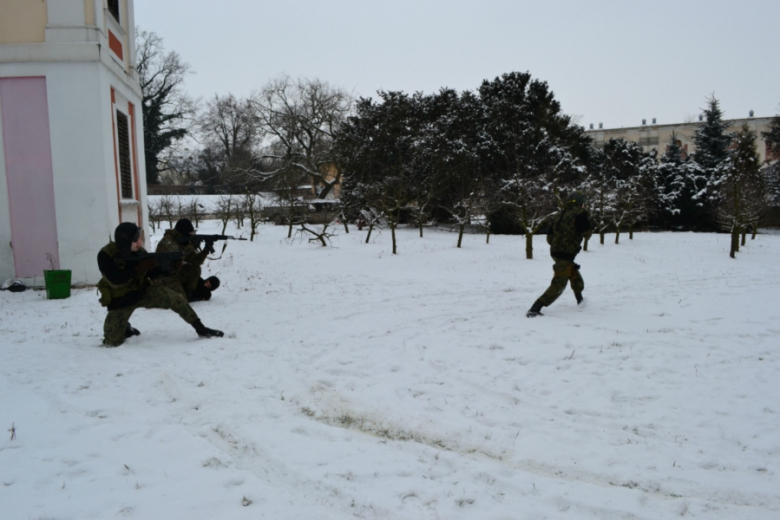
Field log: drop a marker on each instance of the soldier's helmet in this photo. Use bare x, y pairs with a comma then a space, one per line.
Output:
576, 197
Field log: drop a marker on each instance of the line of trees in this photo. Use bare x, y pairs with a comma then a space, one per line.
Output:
502, 155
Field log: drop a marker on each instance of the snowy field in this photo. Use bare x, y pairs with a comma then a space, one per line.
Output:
356, 384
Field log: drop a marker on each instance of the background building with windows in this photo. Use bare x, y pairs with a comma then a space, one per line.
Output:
655, 136
71, 134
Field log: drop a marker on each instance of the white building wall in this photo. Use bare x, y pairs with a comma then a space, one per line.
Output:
80, 75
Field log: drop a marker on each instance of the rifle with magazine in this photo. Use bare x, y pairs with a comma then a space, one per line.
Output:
206, 240
167, 262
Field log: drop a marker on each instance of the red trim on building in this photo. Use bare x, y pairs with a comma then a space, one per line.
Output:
115, 45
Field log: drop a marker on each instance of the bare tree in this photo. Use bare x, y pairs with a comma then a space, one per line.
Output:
372, 218
193, 210
300, 117
155, 213
168, 210
253, 208
231, 126
226, 207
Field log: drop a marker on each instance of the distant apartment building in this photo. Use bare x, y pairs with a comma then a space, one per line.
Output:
654, 136
71, 134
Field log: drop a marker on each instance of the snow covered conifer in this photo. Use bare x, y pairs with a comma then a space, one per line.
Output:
741, 188
712, 148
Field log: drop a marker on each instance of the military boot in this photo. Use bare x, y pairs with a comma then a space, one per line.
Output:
205, 332
578, 295
131, 331
535, 310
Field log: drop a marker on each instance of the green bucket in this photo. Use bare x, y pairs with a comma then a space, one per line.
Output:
57, 284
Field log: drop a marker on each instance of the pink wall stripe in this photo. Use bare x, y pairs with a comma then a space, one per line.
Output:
28, 164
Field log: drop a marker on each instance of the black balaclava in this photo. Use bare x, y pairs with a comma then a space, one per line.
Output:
184, 227
125, 234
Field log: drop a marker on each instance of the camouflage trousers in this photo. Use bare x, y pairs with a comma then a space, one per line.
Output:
184, 282
564, 271
156, 297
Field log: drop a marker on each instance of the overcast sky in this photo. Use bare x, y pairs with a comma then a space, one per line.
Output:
609, 61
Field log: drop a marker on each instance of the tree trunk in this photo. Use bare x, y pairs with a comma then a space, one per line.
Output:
289, 231
460, 233
370, 229
529, 245
487, 237
617, 236
421, 229
392, 232
734, 242
744, 235
601, 237
346, 226
585, 245
754, 231
631, 232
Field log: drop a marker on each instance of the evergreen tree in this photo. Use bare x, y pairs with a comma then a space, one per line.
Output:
166, 108
375, 149
669, 183
536, 151
629, 171
742, 192
712, 148
600, 189
680, 189
450, 151
712, 141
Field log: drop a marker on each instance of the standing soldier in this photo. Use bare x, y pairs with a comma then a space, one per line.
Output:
185, 280
126, 285
569, 228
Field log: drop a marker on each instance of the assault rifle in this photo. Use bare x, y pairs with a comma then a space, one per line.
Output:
166, 261
208, 240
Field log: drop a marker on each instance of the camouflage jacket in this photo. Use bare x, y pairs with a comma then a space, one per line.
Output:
119, 286
190, 255
568, 230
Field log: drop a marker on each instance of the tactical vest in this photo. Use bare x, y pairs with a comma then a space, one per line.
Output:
109, 291
565, 238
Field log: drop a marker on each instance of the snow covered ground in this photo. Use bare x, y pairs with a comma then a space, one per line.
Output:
356, 384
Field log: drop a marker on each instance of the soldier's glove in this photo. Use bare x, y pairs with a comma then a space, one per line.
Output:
209, 246
146, 265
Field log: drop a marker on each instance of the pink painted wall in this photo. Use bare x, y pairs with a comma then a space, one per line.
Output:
28, 165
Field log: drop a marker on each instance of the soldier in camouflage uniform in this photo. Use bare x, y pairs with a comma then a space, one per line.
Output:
568, 230
185, 280
123, 288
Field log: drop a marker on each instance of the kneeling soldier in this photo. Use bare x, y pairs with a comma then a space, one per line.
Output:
185, 280
126, 286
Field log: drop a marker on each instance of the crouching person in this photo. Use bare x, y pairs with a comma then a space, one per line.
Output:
127, 285
204, 289
185, 279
